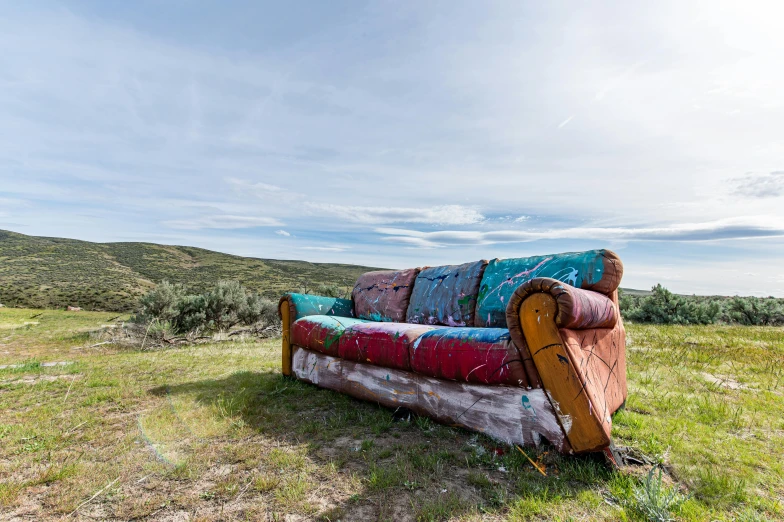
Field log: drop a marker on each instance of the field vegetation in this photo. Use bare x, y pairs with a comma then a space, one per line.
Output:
213, 431
661, 306
42, 272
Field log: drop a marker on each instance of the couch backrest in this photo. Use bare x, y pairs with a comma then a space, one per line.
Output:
383, 295
598, 270
446, 295
476, 293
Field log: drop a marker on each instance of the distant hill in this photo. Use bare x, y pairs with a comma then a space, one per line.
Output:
44, 272
632, 291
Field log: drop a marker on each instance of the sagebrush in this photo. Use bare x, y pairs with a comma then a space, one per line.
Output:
224, 306
664, 307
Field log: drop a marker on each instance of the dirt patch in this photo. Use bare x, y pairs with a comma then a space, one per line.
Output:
31, 380
724, 381
42, 365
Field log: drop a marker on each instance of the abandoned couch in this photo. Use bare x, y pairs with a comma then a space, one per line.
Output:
519, 349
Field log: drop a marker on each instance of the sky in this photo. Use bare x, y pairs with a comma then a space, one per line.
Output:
399, 134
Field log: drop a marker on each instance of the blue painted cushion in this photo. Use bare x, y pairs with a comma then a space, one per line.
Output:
446, 295
598, 270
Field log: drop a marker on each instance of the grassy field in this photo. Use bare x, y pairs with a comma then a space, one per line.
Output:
54, 273
215, 432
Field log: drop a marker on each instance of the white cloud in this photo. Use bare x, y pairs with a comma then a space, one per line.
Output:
260, 189
438, 215
282, 233
436, 132
325, 248
770, 185
565, 122
742, 228
222, 222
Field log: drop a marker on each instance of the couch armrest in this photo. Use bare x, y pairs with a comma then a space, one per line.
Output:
540, 315
295, 306
302, 305
577, 309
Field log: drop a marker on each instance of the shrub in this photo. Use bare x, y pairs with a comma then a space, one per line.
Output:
160, 303
191, 314
334, 291
755, 311
226, 305
259, 310
664, 307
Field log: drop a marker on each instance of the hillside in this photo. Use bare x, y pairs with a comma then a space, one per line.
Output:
45, 272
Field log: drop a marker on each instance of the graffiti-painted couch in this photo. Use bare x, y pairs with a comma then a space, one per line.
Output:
521, 349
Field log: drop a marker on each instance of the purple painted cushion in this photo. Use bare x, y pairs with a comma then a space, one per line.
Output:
383, 295
446, 295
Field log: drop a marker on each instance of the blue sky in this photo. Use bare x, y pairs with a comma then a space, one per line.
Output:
400, 134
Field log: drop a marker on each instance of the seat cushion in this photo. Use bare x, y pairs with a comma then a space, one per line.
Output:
321, 333
598, 270
383, 295
477, 355
381, 344
446, 295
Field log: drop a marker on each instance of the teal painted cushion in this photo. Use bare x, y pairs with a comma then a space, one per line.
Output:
598, 270
303, 305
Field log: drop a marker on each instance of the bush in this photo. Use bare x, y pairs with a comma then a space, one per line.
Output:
259, 310
191, 314
226, 305
664, 307
754, 311
334, 291
160, 303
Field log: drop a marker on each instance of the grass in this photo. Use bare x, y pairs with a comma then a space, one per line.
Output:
214, 431
54, 272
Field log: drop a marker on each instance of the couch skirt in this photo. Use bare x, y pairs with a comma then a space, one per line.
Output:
508, 414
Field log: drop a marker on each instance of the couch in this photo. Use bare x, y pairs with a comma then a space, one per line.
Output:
523, 350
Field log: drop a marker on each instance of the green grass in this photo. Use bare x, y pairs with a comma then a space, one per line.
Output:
54, 272
214, 431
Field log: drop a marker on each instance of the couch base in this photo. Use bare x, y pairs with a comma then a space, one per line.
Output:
508, 414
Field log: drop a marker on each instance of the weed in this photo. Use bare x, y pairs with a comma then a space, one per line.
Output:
265, 483
441, 507
656, 501
285, 459
423, 423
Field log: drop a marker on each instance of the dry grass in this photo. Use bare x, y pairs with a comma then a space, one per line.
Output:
214, 432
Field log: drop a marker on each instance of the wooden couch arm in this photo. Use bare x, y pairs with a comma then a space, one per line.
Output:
543, 314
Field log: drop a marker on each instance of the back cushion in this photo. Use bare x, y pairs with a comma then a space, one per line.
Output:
383, 295
446, 294
598, 270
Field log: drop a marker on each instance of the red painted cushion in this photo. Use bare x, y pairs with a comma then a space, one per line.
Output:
477, 355
381, 344
320, 333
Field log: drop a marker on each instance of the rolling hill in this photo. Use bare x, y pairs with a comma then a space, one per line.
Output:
44, 272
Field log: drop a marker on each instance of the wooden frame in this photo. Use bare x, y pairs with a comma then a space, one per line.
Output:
285, 319
564, 385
